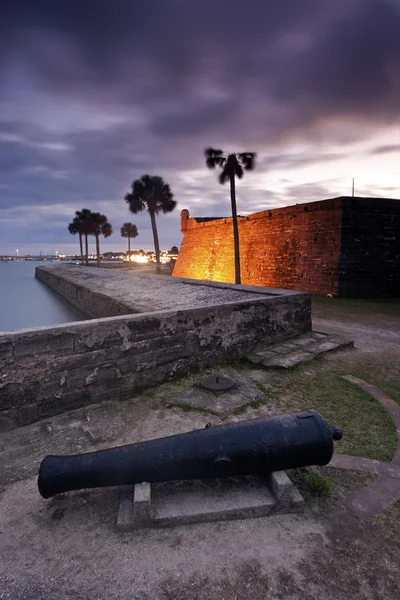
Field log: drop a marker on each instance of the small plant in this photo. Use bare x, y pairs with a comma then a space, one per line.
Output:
319, 485
312, 483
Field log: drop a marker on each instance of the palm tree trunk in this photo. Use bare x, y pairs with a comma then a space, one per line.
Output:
81, 246
129, 245
235, 230
156, 243
98, 249
87, 249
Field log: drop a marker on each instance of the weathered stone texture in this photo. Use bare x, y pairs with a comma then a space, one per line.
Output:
343, 246
90, 301
64, 367
295, 247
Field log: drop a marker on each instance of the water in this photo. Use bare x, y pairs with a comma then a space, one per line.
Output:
26, 302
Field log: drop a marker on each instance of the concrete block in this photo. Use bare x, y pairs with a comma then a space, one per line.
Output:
280, 484
329, 344
125, 511
303, 340
142, 503
287, 361
183, 502
287, 495
244, 393
318, 335
283, 348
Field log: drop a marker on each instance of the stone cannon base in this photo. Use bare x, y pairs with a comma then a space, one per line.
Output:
183, 502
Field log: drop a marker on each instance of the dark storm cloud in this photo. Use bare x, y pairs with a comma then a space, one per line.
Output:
386, 149
93, 95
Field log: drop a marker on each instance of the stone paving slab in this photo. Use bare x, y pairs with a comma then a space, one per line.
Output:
244, 393
367, 465
298, 350
376, 497
184, 502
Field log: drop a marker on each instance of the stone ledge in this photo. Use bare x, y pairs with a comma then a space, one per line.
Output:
299, 350
198, 501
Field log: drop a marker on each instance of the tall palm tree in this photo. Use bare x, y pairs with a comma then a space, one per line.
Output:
85, 216
151, 193
100, 226
74, 228
232, 165
129, 230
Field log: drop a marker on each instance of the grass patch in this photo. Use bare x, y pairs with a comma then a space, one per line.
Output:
361, 306
312, 484
267, 392
381, 377
368, 430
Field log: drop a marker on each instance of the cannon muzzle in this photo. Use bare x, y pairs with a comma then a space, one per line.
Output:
257, 446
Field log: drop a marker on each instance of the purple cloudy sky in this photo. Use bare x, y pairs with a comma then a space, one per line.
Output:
94, 94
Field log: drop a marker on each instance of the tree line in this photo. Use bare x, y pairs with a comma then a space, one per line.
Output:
152, 194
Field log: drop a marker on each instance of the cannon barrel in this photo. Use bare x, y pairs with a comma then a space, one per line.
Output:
257, 446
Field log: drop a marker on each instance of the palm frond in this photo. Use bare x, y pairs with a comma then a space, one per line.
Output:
223, 177
106, 229
212, 152
168, 206
239, 171
129, 230
73, 228
248, 160
150, 192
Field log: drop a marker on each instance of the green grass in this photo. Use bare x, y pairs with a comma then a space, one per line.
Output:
385, 377
313, 484
382, 306
368, 430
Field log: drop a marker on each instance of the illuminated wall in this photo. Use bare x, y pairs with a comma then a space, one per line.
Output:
342, 246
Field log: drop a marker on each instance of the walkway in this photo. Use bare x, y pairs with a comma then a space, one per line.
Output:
374, 498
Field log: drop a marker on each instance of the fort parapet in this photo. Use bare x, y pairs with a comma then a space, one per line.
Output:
343, 246
164, 328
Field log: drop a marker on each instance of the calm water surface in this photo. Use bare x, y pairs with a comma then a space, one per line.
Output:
26, 302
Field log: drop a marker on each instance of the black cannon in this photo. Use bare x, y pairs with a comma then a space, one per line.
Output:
258, 446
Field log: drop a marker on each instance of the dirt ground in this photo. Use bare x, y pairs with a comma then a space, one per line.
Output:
68, 547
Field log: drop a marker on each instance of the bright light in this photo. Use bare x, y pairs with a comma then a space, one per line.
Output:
139, 259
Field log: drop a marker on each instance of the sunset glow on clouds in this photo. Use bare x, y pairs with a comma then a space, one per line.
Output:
91, 99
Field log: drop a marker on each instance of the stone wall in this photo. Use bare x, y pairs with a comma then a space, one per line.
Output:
295, 247
343, 246
370, 253
50, 370
88, 300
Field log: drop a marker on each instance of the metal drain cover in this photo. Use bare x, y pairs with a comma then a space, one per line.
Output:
217, 384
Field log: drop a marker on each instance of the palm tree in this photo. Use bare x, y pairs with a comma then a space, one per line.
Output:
151, 193
100, 226
129, 230
85, 216
74, 228
232, 165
